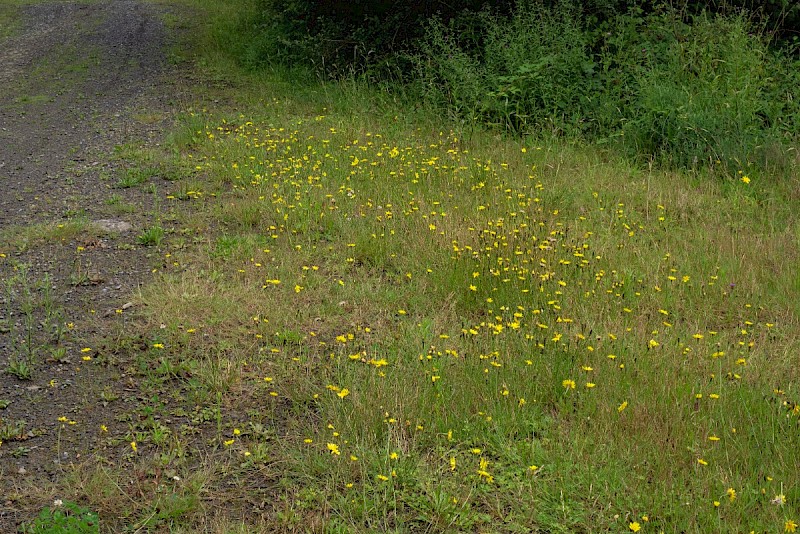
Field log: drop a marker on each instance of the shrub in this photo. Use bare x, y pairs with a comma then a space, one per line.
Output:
704, 102
532, 70
339, 37
783, 68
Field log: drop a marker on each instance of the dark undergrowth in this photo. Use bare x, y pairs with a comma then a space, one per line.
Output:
679, 87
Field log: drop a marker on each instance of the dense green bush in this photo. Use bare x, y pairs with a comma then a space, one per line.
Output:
532, 70
340, 37
784, 79
678, 85
705, 101
683, 90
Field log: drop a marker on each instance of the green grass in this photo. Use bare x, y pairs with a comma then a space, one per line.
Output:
22, 237
151, 236
9, 17
397, 301
386, 325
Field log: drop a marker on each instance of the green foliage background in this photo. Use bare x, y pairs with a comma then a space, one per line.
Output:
692, 85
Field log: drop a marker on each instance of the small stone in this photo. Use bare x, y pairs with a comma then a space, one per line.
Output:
111, 225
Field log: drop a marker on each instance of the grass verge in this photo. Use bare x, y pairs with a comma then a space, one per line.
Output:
387, 325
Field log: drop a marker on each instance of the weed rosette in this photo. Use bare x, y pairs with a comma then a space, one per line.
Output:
64, 518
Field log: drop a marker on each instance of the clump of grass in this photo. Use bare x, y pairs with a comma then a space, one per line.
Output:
12, 429
151, 236
114, 200
24, 237
31, 320
136, 176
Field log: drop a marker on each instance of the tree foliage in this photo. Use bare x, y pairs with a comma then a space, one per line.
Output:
341, 35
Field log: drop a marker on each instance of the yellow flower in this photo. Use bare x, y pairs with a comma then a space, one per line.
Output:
790, 526
133, 446
745, 179
622, 406
635, 526
731, 494
334, 449
568, 384
343, 393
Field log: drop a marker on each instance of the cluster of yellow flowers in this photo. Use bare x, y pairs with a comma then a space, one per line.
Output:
521, 300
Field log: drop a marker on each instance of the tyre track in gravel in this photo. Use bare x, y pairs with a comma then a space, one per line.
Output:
66, 80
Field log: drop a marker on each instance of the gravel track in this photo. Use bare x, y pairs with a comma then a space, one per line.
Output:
76, 81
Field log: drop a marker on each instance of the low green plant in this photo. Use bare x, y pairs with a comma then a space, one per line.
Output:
20, 367
152, 236
136, 176
64, 518
11, 430
32, 319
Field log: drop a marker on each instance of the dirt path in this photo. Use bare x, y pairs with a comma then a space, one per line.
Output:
68, 83
77, 80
